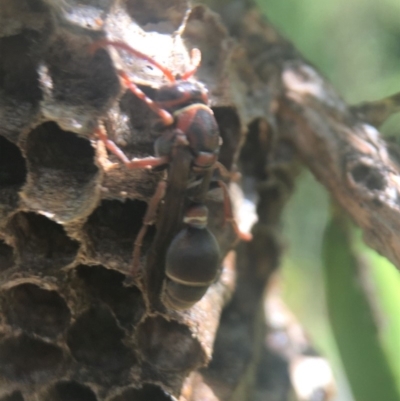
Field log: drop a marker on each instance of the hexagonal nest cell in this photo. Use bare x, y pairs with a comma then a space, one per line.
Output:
18, 67
168, 345
111, 231
7, 256
35, 310
13, 173
69, 391
108, 285
76, 320
62, 174
147, 392
41, 243
26, 359
160, 16
14, 396
96, 340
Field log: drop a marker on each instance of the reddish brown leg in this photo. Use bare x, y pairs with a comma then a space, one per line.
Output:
229, 214
166, 117
149, 219
131, 164
121, 45
110, 145
225, 173
147, 162
222, 170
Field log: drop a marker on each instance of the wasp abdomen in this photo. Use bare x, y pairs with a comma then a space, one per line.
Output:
181, 296
191, 266
193, 257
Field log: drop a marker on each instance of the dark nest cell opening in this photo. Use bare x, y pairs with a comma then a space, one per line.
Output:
102, 4
35, 310
15, 396
80, 78
230, 131
41, 243
112, 230
36, 6
96, 340
16, 7
49, 147
25, 359
107, 285
62, 172
18, 67
204, 31
253, 156
144, 124
12, 165
233, 347
168, 345
70, 391
369, 176
160, 16
7, 257
146, 393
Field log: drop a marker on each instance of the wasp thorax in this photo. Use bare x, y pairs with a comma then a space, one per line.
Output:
175, 96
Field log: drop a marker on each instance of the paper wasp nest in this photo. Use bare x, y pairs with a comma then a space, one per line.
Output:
70, 326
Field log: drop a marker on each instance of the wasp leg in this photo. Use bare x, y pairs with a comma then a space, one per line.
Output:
225, 173
166, 117
131, 164
149, 219
121, 45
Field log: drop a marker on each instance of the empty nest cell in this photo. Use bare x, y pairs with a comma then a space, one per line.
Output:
12, 175
35, 310
7, 256
230, 130
69, 391
41, 243
79, 78
88, 14
253, 155
107, 285
25, 359
12, 165
20, 91
168, 345
14, 396
95, 339
112, 229
368, 176
160, 16
139, 135
18, 67
36, 17
204, 31
146, 393
62, 179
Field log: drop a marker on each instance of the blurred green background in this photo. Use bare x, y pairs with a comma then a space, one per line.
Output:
356, 45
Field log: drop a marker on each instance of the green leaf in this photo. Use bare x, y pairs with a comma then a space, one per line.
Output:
353, 319
386, 280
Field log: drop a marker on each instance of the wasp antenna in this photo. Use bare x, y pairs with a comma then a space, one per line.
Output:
195, 58
121, 45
